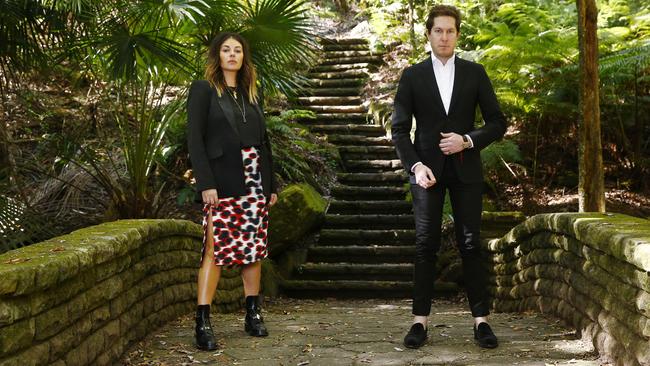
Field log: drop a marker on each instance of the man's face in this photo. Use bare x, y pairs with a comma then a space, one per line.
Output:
443, 36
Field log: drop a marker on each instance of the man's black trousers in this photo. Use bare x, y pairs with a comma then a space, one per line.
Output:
466, 202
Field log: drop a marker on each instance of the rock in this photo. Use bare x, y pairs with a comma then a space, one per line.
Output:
298, 211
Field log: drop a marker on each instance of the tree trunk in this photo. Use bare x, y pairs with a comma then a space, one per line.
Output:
343, 6
414, 42
591, 186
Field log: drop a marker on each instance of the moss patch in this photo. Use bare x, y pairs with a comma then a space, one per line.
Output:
299, 210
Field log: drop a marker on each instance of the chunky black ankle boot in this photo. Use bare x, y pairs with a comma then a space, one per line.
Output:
204, 335
254, 324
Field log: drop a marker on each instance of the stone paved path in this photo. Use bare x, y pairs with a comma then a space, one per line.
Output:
364, 332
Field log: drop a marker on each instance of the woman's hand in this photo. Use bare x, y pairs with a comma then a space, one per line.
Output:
273, 200
210, 196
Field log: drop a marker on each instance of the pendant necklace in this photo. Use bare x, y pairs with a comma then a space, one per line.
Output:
242, 109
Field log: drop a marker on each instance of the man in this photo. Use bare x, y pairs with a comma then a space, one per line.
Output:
442, 93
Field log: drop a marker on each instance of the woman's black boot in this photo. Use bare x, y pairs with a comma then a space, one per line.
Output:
254, 324
204, 335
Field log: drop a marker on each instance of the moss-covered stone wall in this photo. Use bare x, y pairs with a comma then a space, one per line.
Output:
592, 270
80, 299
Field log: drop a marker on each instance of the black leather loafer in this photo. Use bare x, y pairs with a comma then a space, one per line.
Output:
416, 336
484, 336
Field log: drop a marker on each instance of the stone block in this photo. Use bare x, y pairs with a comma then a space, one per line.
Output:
17, 279
63, 341
100, 316
296, 201
14, 309
77, 356
52, 322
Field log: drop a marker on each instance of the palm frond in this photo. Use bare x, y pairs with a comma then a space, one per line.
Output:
281, 39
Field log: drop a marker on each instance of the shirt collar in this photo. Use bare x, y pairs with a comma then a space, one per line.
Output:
438, 63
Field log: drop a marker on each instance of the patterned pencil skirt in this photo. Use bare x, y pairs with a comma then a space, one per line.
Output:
240, 224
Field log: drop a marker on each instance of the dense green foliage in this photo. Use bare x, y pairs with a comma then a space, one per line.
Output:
530, 50
132, 60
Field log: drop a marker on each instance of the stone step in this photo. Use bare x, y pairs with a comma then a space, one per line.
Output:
349, 129
368, 221
314, 122
337, 206
355, 271
364, 66
367, 152
370, 59
347, 237
342, 116
344, 41
362, 254
335, 83
334, 92
385, 156
359, 140
373, 165
326, 117
350, 193
359, 289
369, 179
342, 74
356, 100
344, 47
348, 53
330, 109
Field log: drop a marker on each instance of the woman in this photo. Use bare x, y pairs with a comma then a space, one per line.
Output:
232, 163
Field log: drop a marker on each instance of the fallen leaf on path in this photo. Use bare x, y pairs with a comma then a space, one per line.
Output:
16, 260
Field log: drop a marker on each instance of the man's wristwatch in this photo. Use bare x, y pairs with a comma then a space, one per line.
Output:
466, 143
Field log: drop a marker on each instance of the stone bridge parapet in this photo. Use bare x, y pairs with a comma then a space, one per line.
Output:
591, 270
81, 298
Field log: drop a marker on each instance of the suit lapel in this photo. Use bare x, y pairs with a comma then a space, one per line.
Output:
429, 78
226, 107
459, 79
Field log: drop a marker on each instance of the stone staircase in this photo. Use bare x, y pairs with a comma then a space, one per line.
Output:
366, 242
366, 245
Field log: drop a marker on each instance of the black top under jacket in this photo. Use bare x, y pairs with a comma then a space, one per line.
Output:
250, 131
215, 143
418, 96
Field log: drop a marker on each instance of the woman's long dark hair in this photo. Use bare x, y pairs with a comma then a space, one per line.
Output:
246, 76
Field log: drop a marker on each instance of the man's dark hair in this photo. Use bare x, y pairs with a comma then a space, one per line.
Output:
441, 11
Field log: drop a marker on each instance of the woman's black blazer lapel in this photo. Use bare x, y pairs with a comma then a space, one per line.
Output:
226, 107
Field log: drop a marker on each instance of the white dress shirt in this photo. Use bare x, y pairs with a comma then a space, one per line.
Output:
445, 80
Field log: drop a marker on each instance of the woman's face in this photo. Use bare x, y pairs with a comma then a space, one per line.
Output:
231, 55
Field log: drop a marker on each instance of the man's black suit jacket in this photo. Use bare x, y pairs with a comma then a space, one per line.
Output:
418, 96
215, 147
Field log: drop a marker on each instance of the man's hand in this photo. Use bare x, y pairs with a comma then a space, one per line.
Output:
424, 176
210, 196
451, 143
273, 200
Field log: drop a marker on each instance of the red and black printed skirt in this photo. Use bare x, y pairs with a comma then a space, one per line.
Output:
240, 224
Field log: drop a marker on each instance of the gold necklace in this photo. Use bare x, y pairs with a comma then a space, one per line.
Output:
242, 109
